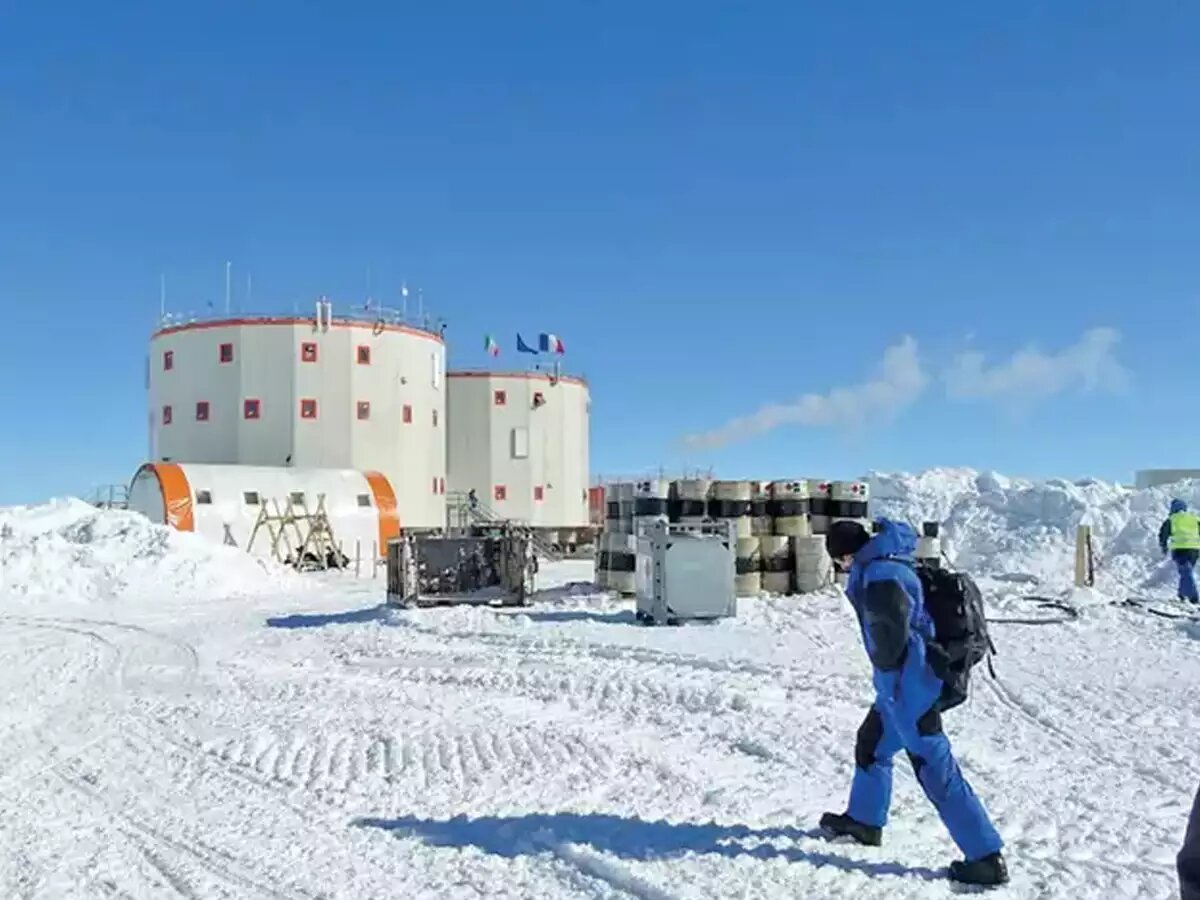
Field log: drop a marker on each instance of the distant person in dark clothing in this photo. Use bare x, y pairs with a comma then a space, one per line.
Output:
1180, 536
1188, 861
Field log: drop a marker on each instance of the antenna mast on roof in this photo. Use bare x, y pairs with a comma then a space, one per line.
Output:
249, 290
162, 296
228, 286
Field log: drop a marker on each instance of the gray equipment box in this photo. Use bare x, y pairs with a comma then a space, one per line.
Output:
686, 572
495, 568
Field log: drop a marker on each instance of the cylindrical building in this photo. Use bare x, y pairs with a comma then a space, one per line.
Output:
306, 392
520, 441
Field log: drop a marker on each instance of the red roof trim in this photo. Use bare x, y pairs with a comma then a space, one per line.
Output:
525, 376
293, 321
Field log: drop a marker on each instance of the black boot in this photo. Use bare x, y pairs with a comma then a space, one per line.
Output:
840, 824
989, 871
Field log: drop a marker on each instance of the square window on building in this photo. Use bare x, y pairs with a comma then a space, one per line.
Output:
364, 355
251, 409
168, 360
499, 398
203, 498
167, 415
539, 399
308, 409
435, 418
406, 415
202, 411
250, 498
226, 353
364, 499
537, 492
500, 492
364, 410
297, 497
308, 352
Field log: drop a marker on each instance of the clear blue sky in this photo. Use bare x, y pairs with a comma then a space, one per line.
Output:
718, 206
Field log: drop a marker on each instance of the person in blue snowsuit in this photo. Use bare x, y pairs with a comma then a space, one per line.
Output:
886, 594
1180, 536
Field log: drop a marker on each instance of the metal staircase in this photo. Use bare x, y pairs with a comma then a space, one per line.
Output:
462, 515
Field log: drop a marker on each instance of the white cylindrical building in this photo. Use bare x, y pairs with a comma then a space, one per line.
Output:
308, 392
224, 503
520, 441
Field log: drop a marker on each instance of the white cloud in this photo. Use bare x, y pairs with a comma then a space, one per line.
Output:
899, 382
1031, 374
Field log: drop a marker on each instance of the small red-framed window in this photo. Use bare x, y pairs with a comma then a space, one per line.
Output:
435, 418
435, 484
500, 492
364, 410
251, 409
441, 485
538, 492
308, 352
539, 399
364, 355
308, 408
406, 415
225, 354
201, 410
168, 360
167, 415
499, 398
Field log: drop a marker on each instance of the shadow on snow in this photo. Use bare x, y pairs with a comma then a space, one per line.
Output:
320, 620
631, 839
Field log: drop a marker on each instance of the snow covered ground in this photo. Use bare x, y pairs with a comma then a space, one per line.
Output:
179, 720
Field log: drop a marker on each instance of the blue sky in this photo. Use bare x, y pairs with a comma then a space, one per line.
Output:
719, 207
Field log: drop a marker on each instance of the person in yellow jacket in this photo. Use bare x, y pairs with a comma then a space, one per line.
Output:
1180, 535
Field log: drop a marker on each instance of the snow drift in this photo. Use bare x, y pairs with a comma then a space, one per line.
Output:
72, 550
995, 525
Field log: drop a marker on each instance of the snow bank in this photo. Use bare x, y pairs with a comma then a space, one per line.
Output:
995, 525
68, 549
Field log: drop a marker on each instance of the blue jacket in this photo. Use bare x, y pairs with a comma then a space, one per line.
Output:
886, 595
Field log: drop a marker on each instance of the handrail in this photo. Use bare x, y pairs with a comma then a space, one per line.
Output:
373, 313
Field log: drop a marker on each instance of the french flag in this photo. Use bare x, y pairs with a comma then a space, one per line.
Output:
551, 343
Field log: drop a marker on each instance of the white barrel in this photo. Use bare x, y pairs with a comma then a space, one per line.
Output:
649, 503
748, 580
812, 565
625, 502
602, 562
622, 563
730, 500
849, 500
820, 506
776, 563
612, 509
760, 508
788, 507
692, 497
929, 546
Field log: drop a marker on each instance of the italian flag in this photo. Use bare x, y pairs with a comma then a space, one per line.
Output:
490, 346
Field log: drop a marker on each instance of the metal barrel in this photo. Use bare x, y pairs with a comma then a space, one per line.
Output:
929, 545
776, 563
649, 503
692, 494
748, 578
789, 506
849, 500
760, 502
731, 500
622, 563
820, 505
625, 503
813, 567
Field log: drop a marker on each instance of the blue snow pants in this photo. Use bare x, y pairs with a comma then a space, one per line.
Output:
928, 749
1185, 562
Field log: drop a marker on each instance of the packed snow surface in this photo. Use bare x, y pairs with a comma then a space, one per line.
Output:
182, 721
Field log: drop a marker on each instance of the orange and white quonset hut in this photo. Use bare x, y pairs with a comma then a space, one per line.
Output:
520, 441
223, 503
313, 392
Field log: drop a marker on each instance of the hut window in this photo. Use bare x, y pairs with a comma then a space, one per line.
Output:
435, 484
364, 499
520, 443
166, 417
251, 409
364, 355
297, 496
251, 498
407, 414
202, 411
364, 410
539, 399
435, 418
500, 492
308, 409
226, 353
538, 492
308, 352
203, 498
499, 398
169, 360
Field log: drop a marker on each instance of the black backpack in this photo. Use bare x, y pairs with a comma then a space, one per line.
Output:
960, 642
